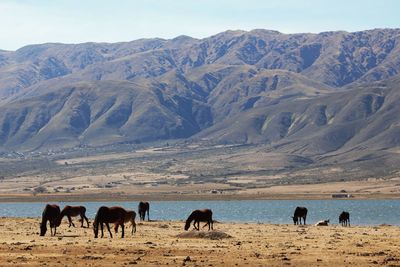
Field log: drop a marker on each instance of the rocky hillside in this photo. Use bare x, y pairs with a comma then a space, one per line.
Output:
303, 93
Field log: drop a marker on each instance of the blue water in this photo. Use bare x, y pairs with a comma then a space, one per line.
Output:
362, 212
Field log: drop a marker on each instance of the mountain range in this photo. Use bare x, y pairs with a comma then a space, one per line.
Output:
311, 94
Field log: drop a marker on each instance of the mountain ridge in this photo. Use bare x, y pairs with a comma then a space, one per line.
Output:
259, 86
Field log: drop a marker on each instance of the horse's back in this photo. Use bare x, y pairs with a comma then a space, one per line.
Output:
300, 212
144, 206
344, 216
111, 214
51, 211
203, 214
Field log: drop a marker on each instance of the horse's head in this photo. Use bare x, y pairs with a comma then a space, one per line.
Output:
43, 229
187, 225
95, 230
295, 220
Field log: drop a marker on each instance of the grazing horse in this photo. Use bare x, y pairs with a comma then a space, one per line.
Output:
200, 216
130, 217
73, 211
300, 212
50, 213
344, 217
106, 215
142, 208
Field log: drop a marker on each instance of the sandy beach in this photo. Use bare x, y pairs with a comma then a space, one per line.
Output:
230, 244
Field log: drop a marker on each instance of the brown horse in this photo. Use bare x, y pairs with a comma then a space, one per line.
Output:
108, 215
73, 211
50, 213
130, 217
200, 216
142, 209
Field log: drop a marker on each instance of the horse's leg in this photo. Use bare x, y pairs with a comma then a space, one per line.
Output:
108, 228
148, 215
123, 230
87, 220
198, 226
101, 227
81, 219
70, 221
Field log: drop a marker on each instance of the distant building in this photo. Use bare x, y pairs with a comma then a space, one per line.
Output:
342, 195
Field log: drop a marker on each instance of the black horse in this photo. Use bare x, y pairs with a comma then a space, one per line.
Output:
200, 216
142, 209
344, 218
300, 212
50, 213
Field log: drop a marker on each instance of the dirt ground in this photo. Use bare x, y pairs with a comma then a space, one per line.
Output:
158, 244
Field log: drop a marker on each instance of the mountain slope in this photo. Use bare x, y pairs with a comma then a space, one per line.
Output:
300, 93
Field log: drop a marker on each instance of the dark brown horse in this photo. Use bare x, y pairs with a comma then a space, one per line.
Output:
344, 217
73, 211
50, 213
106, 215
300, 212
200, 216
142, 209
130, 217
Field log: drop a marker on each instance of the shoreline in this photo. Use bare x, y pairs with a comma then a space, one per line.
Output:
117, 197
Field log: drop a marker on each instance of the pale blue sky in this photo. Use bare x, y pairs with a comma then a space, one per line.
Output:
24, 22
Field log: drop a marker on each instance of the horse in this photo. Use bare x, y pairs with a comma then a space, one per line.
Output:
73, 211
142, 208
322, 223
130, 217
108, 215
344, 217
50, 213
200, 216
300, 212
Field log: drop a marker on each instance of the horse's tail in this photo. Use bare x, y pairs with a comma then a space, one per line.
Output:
133, 222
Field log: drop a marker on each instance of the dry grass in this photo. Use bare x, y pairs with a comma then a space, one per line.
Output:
157, 244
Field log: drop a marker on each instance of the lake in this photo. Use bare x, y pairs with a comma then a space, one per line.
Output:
362, 212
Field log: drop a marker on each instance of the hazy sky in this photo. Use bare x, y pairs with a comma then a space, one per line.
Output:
25, 22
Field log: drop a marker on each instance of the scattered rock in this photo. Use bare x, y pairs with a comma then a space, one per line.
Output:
214, 235
89, 257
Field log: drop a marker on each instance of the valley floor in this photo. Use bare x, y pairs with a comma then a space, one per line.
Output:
157, 243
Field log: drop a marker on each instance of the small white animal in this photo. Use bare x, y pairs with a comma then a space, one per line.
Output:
322, 223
